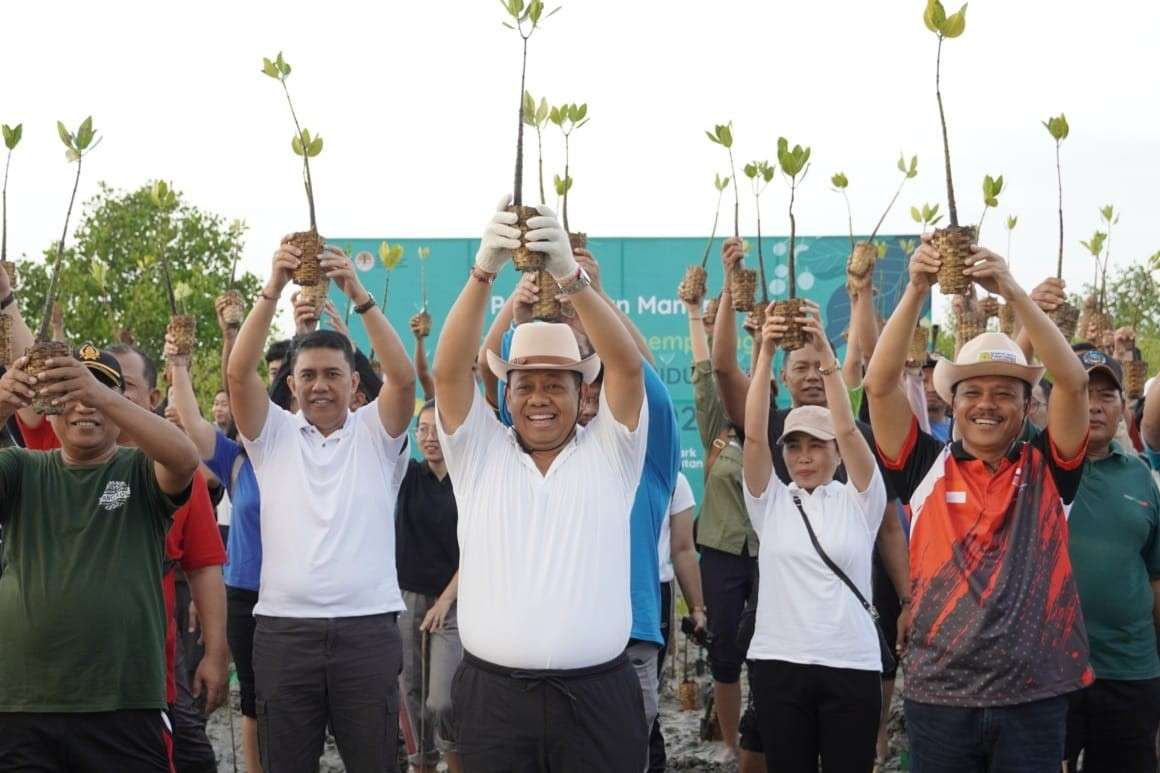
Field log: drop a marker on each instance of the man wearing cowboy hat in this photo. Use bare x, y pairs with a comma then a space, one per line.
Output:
544, 610
997, 638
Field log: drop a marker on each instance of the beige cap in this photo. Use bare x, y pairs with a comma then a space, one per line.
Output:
544, 346
814, 420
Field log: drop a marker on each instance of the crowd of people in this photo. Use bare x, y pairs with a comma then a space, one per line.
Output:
983, 527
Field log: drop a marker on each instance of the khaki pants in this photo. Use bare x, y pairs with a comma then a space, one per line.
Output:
444, 651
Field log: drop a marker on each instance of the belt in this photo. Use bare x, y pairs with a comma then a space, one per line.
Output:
556, 678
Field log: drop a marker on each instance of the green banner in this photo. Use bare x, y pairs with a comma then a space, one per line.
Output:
641, 274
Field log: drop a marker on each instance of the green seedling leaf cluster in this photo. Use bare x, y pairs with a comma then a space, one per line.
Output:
992, 187
722, 134
536, 116
164, 199
719, 184
391, 255
79, 142
521, 12
12, 135
794, 163
944, 27
1057, 127
303, 144
568, 117
525, 19
840, 181
937, 21
928, 216
760, 174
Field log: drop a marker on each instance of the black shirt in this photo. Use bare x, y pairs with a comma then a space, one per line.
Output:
426, 543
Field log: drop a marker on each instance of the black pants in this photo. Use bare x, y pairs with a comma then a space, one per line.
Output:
727, 581
887, 603
240, 625
128, 741
657, 759
805, 711
192, 751
1114, 723
344, 672
573, 721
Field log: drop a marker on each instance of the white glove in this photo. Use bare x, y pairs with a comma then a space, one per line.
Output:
547, 236
500, 238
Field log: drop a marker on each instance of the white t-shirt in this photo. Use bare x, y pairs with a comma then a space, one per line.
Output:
805, 614
328, 515
544, 559
682, 500
225, 508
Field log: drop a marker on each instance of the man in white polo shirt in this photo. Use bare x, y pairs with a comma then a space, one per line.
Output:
326, 646
544, 609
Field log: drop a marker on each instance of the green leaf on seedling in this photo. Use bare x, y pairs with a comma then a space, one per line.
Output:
12, 135
65, 135
390, 254
955, 24
269, 68
534, 10
1109, 214
555, 116
296, 145
915, 215
881, 247
907, 246
542, 112
529, 109
766, 171
1012, 221
1057, 127
1096, 245
913, 170
793, 161
934, 16
71, 155
840, 182
182, 291
750, 170
84, 133
720, 183
315, 147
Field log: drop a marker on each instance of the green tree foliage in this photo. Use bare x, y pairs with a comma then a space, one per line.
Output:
111, 279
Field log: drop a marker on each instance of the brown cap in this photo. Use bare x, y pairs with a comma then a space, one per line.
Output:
813, 420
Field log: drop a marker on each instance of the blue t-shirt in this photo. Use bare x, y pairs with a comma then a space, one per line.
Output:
243, 568
941, 430
661, 462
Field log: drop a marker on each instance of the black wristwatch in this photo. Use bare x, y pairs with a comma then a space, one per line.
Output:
366, 305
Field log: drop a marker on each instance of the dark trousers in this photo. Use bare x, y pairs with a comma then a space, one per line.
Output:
128, 741
192, 751
311, 672
807, 711
727, 581
563, 721
657, 759
240, 626
1025, 738
1114, 724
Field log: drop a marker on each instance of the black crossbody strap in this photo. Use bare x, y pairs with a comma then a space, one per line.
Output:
830, 563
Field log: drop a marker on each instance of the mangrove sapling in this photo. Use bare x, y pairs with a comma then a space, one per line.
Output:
927, 217
760, 174
182, 327
309, 271
1066, 315
12, 135
1006, 311
692, 287
954, 241
722, 135
78, 144
421, 322
794, 165
536, 116
229, 304
992, 187
863, 255
525, 19
568, 118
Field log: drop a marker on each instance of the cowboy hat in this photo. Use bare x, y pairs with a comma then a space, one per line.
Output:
544, 346
989, 354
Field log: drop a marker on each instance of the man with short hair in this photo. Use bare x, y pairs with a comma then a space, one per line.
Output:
997, 639
936, 407
326, 646
544, 601
82, 663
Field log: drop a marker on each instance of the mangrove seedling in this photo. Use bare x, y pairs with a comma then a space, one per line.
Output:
1095, 246
862, 256
927, 217
524, 19
1012, 221
391, 256
954, 241
1058, 129
164, 199
12, 136
841, 183
692, 288
421, 322
536, 116
992, 187
568, 118
795, 164
760, 175
306, 146
722, 135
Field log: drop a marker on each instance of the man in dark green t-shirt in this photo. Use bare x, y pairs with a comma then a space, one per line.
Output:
1114, 543
82, 620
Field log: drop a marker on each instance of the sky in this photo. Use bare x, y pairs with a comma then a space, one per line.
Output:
417, 105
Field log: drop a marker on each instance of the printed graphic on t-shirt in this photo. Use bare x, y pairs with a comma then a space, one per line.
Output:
116, 495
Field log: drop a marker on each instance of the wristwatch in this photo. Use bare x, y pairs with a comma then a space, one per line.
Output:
366, 305
574, 284
830, 370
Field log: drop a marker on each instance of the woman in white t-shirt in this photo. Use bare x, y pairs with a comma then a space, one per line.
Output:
815, 662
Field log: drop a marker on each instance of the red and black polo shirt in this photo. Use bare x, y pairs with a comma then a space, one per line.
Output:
996, 615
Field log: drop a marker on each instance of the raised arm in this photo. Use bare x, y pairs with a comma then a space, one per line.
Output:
21, 338
396, 399
229, 336
1069, 393
248, 401
863, 337
732, 382
200, 431
174, 456
623, 374
422, 371
517, 308
1048, 295
757, 457
883, 380
459, 341
697, 335
588, 261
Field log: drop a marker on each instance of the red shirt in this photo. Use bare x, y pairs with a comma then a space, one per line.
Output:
193, 541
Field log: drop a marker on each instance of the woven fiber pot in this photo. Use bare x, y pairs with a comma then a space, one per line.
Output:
1135, 376
309, 271
421, 324
919, 342
182, 327
6, 357
743, 285
692, 287
688, 693
547, 307
1007, 319
989, 306
968, 326
710, 315
1066, 318
10, 269
862, 259
38, 356
1098, 323
790, 309
954, 247
579, 241
755, 319
523, 258
316, 294
233, 309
